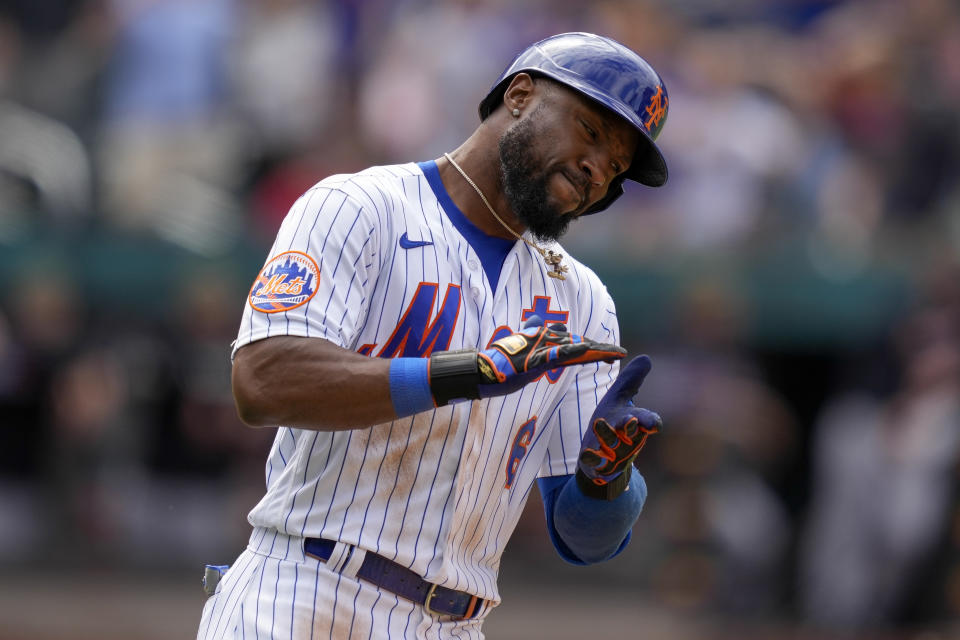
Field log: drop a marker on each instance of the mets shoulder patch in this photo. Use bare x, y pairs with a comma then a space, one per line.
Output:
286, 282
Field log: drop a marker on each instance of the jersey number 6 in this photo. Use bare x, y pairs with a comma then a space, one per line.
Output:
519, 449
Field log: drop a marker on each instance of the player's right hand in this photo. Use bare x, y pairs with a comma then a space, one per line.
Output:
512, 362
519, 358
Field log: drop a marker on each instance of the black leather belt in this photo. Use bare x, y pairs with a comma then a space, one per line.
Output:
400, 580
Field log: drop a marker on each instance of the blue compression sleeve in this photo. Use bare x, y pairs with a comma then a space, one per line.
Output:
585, 530
410, 386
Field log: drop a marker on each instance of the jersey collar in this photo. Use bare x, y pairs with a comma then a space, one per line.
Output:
491, 250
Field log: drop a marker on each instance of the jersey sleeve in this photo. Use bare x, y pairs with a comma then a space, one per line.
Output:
320, 272
567, 424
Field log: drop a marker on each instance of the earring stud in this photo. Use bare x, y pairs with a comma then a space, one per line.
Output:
516, 113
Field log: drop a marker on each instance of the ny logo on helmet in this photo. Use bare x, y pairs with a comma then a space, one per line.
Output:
656, 109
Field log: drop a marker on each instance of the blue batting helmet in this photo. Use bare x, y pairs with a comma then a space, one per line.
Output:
609, 73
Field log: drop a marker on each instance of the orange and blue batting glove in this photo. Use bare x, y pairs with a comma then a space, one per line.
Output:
618, 430
519, 358
512, 361
509, 363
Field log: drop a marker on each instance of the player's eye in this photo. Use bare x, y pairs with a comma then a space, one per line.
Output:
591, 133
616, 167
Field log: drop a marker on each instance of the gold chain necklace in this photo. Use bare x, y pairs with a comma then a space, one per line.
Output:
552, 259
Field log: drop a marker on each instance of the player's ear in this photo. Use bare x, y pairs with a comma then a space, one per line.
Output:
519, 92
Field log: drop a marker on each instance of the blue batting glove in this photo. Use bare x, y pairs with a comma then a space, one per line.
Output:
618, 430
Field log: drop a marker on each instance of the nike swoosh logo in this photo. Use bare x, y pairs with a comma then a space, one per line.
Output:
407, 243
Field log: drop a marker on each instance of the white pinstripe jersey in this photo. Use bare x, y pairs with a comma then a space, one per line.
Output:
381, 262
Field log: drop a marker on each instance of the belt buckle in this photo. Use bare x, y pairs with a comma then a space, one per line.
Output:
471, 611
426, 604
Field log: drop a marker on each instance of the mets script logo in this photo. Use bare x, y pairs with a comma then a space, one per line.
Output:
286, 282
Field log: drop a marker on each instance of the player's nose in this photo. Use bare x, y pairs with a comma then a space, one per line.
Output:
590, 167
599, 170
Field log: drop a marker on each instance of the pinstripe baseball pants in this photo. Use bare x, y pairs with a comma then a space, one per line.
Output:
274, 591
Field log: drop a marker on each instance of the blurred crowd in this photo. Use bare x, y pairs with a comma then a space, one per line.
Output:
796, 282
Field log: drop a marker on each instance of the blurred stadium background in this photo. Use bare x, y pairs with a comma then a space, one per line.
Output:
797, 283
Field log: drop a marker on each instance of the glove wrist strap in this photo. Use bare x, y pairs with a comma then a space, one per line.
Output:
608, 491
454, 375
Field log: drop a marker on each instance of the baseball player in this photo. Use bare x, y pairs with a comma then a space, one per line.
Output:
426, 351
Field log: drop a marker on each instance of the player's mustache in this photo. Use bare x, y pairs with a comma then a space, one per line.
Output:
582, 184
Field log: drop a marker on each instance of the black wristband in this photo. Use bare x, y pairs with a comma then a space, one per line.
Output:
454, 375
608, 491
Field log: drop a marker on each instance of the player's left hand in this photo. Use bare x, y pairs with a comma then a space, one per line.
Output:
618, 430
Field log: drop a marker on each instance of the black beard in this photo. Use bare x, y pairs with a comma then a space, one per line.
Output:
525, 184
